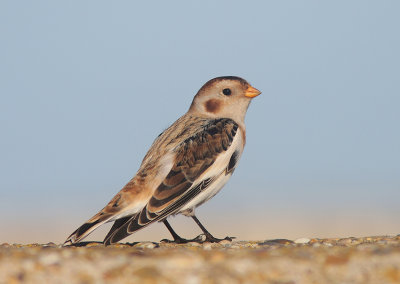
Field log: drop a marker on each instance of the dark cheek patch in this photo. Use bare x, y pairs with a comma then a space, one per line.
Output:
212, 105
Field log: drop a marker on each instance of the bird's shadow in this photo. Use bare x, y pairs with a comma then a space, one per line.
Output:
85, 244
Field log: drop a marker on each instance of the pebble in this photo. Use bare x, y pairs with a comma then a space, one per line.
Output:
225, 242
207, 246
146, 245
302, 241
194, 244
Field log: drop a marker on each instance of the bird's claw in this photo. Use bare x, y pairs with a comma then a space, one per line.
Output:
202, 238
212, 239
179, 241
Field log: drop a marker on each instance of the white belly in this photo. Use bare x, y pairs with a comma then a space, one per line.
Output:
207, 194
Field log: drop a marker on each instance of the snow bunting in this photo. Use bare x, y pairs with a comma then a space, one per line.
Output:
186, 165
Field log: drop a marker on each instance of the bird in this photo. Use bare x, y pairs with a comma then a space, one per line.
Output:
187, 164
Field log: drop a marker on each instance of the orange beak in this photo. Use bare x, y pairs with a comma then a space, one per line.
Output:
252, 92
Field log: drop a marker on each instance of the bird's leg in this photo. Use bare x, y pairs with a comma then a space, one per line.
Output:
209, 237
177, 238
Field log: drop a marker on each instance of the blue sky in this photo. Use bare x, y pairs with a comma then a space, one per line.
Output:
85, 87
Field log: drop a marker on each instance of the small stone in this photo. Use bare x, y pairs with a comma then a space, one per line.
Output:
250, 245
51, 244
207, 246
302, 241
193, 244
146, 245
312, 241
225, 242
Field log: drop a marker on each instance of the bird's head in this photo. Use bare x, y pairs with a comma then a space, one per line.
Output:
227, 97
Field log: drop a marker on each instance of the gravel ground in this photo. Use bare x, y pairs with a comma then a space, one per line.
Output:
348, 260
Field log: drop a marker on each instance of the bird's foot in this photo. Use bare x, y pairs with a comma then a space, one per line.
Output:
202, 238
179, 240
210, 238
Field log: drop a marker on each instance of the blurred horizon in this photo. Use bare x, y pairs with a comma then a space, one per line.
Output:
85, 88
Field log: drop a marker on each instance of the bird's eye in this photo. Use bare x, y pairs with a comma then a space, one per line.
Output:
226, 92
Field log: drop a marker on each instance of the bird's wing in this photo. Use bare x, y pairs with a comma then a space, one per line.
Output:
195, 157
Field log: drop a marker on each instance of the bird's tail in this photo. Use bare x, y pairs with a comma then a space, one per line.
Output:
84, 230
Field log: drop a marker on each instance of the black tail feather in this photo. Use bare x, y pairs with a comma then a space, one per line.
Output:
84, 230
117, 224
